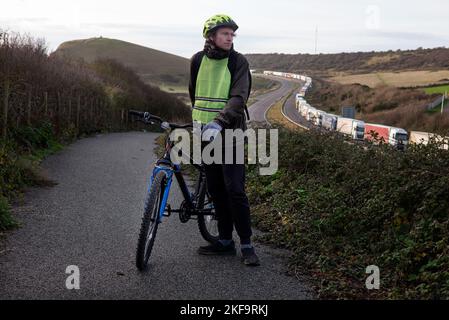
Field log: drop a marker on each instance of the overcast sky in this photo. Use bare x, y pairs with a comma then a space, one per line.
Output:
266, 26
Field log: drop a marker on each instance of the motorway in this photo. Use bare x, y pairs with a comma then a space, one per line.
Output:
258, 110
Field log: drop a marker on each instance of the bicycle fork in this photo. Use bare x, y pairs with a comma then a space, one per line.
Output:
166, 187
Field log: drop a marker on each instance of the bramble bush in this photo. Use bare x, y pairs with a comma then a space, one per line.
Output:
341, 207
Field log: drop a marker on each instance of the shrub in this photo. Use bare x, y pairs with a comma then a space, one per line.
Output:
340, 208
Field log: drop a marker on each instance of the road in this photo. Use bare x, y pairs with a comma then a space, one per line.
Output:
91, 218
257, 111
292, 114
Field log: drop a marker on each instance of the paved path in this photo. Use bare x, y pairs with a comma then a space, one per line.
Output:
91, 219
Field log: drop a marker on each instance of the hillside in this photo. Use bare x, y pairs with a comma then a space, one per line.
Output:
48, 101
404, 108
153, 66
354, 63
402, 79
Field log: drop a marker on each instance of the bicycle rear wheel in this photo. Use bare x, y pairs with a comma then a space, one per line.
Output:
150, 221
207, 224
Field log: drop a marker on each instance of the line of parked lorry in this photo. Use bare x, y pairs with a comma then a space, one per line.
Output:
356, 129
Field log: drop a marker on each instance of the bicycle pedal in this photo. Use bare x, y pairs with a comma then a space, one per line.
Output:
167, 212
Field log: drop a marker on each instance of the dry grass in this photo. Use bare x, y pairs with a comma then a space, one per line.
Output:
396, 79
262, 85
381, 59
275, 116
175, 89
411, 118
404, 108
152, 65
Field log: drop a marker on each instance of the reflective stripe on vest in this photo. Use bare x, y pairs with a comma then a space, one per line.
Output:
212, 89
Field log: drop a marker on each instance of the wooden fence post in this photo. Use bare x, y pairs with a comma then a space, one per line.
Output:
46, 103
78, 107
58, 112
91, 112
29, 106
6, 94
70, 108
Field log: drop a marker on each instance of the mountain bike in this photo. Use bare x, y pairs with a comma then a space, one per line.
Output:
196, 203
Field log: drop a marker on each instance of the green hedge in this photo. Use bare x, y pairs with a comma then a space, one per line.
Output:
20, 156
341, 208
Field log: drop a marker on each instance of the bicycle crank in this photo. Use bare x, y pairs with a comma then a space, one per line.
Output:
184, 212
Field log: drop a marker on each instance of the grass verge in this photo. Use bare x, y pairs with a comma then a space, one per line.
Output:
275, 116
20, 157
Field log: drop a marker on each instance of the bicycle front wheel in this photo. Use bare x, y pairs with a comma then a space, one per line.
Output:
150, 221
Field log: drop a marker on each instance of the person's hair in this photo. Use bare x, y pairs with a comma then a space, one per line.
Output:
212, 34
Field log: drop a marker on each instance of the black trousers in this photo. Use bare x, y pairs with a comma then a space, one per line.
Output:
226, 185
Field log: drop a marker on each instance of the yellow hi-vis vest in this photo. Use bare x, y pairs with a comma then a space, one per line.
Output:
212, 89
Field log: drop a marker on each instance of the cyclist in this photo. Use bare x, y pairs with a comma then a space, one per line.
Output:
220, 84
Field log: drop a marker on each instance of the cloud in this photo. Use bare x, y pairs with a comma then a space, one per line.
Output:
408, 36
265, 26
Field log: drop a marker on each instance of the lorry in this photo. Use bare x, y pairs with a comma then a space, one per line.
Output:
311, 114
379, 133
319, 117
304, 108
299, 104
329, 122
352, 127
298, 100
419, 137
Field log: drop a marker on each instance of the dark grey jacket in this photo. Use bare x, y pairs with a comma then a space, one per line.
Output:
233, 115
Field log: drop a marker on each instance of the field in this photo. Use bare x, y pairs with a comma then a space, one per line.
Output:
437, 89
396, 79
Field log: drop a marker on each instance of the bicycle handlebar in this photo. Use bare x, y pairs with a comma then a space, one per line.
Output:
148, 118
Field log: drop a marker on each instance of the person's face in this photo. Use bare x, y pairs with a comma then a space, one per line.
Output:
223, 38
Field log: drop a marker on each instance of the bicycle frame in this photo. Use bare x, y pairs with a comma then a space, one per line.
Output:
169, 168
196, 203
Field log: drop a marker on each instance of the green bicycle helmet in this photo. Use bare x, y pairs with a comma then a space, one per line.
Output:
217, 21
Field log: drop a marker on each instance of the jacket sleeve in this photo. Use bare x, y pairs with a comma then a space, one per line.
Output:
192, 79
234, 111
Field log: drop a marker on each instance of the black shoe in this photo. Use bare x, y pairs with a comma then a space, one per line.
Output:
217, 249
249, 257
